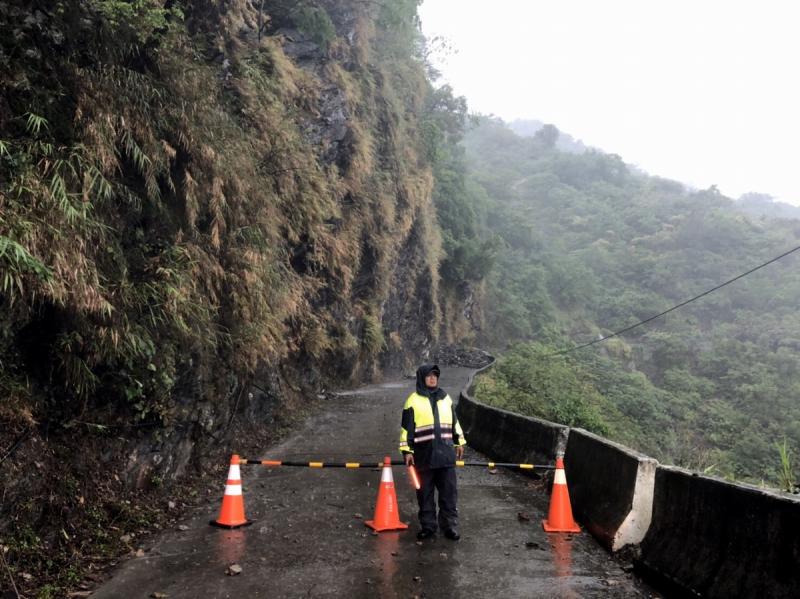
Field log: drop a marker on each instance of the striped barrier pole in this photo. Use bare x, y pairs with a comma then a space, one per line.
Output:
459, 464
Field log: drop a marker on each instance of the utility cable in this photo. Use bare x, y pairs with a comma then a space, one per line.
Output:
673, 308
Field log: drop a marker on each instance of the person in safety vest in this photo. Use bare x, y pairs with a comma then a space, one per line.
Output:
432, 440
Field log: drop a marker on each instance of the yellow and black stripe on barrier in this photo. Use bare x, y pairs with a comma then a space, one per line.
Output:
459, 464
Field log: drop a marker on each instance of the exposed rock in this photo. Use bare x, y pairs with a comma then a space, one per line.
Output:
468, 357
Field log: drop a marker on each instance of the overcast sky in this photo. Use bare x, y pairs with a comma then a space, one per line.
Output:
704, 92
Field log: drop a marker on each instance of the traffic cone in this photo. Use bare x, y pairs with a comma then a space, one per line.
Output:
560, 517
231, 514
387, 516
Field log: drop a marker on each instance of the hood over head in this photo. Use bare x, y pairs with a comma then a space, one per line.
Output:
422, 372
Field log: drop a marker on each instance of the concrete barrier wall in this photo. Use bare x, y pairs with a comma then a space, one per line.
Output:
712, 538
697, 535
506, 436
509, 437
611, 488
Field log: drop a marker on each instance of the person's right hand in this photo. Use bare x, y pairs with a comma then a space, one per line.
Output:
409, 457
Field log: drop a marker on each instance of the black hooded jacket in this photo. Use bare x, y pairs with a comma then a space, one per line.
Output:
422, 388
430, 428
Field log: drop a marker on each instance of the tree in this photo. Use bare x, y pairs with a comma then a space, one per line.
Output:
547, 136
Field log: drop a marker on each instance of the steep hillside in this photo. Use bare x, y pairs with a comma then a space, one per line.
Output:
587, 246
209, 213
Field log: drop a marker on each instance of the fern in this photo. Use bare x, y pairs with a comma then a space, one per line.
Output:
99, 186
18, 260
135, 153
35, 123
373, 340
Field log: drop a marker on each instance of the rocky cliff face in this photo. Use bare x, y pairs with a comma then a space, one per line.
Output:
210, 213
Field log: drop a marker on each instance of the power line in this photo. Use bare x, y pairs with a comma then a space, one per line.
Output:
673, 308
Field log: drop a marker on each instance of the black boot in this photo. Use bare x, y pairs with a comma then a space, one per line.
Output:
452, 534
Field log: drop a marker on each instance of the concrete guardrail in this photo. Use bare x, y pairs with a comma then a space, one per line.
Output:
506, 436
712, 538
611, 488
696, 535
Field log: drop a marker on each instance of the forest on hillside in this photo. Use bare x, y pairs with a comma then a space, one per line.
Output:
582, 246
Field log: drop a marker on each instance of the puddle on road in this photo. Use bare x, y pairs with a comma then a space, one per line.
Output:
230, 546
562, 560
386, 548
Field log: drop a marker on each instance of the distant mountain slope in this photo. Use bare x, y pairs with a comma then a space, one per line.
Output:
588, 246
758, 205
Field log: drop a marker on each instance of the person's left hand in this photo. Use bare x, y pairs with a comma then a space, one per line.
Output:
460, 452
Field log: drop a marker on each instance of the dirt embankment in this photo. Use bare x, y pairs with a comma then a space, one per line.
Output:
77, 501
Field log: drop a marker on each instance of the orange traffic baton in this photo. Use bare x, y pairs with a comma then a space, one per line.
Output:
412, 473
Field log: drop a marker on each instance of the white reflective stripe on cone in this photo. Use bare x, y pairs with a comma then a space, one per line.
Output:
233, 473
561, 478
386, 475
233, 489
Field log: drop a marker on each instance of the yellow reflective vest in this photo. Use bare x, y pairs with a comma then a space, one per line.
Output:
430, 430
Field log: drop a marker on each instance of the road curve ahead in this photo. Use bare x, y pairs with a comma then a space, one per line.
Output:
309, 538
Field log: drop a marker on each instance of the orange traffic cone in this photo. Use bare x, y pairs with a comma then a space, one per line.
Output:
387, 516
560, 517
231, 514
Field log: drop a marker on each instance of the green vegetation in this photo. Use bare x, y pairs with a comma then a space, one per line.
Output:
589, 246
786, 473
460, 206
160, 198
315, 21
186, 211
528, 383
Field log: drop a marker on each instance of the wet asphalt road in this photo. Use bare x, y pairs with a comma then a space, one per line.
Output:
309, 539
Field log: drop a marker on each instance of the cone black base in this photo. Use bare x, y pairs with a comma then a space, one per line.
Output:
231, 526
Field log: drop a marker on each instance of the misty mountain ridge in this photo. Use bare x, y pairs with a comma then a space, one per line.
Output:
755, 204
762, 205
588, 245
564, 143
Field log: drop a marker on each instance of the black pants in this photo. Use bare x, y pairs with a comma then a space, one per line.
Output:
443, 480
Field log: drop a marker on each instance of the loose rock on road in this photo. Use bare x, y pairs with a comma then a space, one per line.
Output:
309, 538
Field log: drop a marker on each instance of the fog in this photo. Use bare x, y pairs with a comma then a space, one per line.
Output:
702, 92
